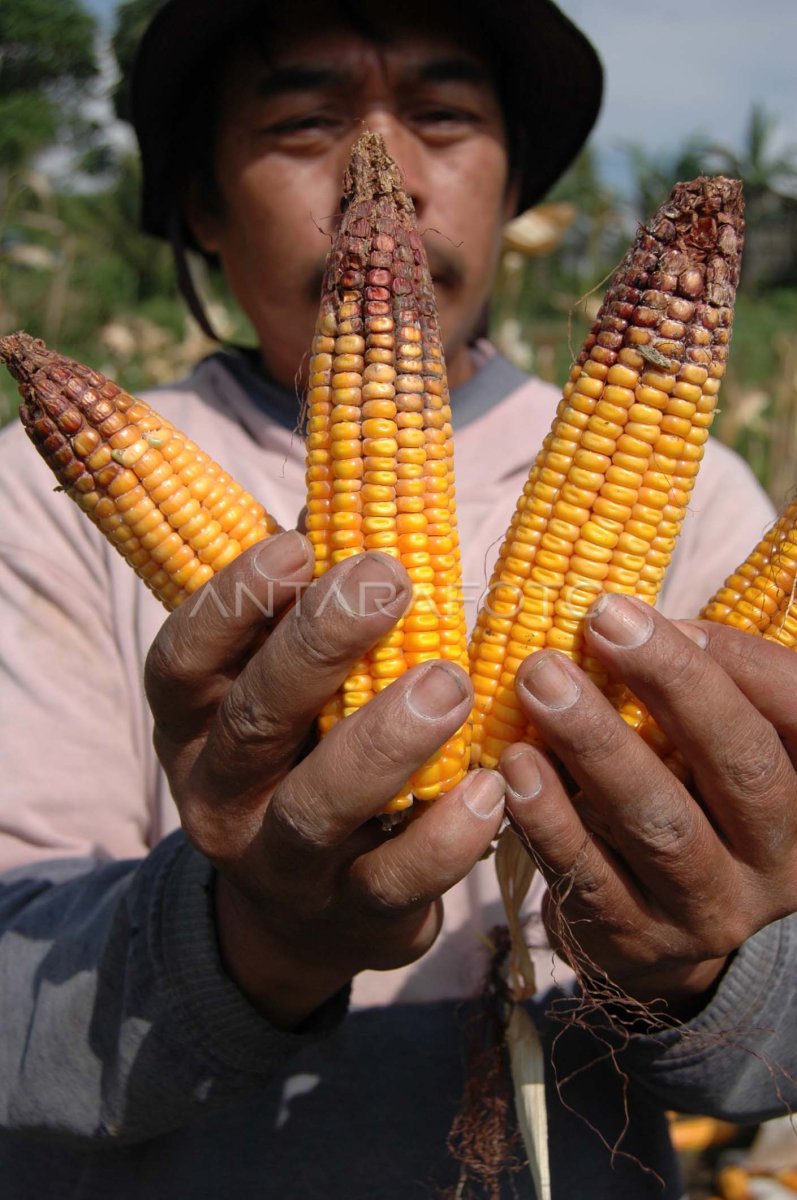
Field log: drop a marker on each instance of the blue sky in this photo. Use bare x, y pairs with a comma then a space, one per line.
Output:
691, 66
682, 67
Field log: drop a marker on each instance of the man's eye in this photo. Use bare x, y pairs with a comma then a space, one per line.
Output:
445, 122
306, 124
433, 115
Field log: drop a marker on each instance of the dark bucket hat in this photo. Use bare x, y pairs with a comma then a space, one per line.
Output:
550, 78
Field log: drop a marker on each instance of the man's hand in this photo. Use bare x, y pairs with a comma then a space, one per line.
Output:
661, 885
310, 890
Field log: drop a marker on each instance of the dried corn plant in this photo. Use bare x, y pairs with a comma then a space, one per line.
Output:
154, 351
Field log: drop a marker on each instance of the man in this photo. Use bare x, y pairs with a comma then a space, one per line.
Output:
175, 1019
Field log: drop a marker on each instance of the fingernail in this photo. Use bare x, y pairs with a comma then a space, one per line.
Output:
438, 690
372, 585
523, 778
621, 620
694, 633
547, 678
484, 793
282, 556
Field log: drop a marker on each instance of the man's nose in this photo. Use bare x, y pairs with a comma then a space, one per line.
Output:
406, 149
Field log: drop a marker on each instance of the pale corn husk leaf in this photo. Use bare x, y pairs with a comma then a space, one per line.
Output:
528, 1076
515, 870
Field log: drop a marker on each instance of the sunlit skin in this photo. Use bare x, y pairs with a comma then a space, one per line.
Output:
284, 136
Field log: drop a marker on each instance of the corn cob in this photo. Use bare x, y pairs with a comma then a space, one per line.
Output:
607, 494
379, 446
759, 598
169, 510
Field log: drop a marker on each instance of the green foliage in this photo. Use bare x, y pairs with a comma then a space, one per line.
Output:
46, 59
100, 290
106, 223
599, 231
47, 53
28, 123
757, 324
45, 43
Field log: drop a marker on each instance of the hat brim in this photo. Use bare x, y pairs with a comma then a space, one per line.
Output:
551, 78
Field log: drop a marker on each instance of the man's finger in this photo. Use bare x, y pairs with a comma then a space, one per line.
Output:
594, 907
738, 762
433, 852
202, 644
580, 869
265, 716
765, 671
364, 762
635, 803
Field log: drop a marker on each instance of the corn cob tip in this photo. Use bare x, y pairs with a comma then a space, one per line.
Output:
23, 355
57, 392
684, 264
372, 173
700, 230
49, 382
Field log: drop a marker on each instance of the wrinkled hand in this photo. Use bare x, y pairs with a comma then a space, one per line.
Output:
663, 885
310, 890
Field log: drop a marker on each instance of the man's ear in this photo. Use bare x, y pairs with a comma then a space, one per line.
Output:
202, 217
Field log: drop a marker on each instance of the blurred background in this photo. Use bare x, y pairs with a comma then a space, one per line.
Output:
691, 89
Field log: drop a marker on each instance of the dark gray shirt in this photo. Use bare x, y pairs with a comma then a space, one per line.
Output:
132, 1067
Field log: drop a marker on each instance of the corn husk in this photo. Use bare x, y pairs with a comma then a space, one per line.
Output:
515, 870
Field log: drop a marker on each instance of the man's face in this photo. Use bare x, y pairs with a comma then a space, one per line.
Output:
285, 132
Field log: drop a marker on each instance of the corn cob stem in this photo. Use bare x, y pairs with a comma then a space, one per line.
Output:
608, 491
379, 445
170, 511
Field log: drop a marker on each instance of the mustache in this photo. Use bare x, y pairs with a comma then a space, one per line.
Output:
446, 264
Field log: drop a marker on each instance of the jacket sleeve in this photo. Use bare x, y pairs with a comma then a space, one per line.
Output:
119, 1021
738, 1058
118, 1016
74, 730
